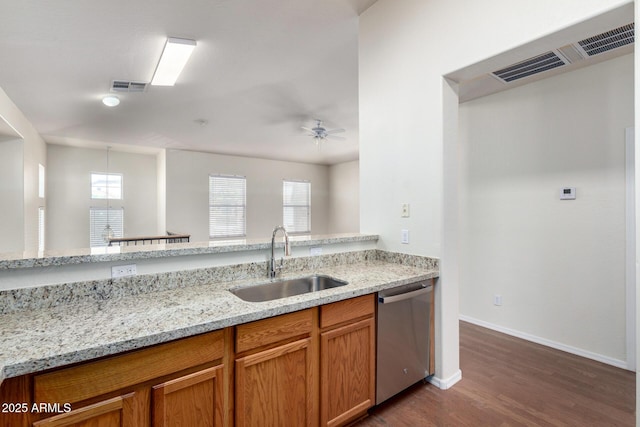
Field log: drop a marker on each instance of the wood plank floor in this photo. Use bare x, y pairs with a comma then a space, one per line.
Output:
507, 381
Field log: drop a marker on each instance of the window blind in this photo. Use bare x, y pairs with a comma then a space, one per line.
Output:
98, 222
296, 206
227, 206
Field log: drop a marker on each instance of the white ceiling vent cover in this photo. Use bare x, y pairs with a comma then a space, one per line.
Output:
126, 86
608, 41
537, 64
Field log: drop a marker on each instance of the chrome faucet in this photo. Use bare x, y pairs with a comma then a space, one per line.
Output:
273, 269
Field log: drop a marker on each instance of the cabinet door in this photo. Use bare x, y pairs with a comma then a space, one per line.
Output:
116, 412
194, 400
275, 387
347, 372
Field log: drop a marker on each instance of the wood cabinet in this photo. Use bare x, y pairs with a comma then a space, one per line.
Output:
306, 368
115, 412
276, 381
347, 360
176, 383
193, 400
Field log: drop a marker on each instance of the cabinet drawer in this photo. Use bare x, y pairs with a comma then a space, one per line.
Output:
113, 412
93, 379
343, 311
269, 331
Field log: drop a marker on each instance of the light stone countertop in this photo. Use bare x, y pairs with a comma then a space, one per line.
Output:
29, 259
37, 340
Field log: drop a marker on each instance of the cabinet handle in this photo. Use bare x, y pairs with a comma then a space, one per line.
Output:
405, 296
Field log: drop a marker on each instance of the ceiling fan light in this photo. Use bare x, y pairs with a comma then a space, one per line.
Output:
111, 101
174, 57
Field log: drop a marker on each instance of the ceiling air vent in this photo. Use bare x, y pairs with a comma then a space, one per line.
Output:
529, 67
126, 86
608, 41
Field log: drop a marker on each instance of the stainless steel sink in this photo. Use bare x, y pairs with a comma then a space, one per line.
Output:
286, 288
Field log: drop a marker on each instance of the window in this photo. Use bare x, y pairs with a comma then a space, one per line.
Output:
227, 206
296, 206
40, 181
100, 182
98, 220
41, 229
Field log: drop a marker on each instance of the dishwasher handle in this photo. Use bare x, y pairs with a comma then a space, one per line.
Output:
405, 296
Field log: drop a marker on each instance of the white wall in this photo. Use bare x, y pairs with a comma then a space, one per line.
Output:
406, 47
69, 193
558, 265
34, 153
161, 170
11, 196
637, 207
344, 191
187, 196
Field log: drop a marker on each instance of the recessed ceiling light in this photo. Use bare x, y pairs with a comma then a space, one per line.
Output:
111, 100
174, 57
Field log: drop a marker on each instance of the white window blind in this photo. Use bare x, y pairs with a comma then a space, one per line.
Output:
98, 222
41, 229
227, 206
100, 182
296, 204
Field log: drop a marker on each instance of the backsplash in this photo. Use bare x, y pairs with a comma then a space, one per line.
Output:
406, 259
99, 290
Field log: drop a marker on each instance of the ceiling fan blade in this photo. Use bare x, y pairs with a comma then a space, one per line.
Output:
308, 129
341, 138
329, 132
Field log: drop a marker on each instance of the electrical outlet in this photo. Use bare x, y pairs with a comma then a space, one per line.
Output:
404, 237
315, 250
123, 271
497, 300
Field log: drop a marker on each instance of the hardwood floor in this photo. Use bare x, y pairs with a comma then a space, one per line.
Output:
507, 381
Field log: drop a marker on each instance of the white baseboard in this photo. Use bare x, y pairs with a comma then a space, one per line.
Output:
543, 341
446, 383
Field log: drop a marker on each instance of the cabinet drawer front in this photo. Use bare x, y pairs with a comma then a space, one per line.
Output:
117, 411
269, 331
92, 379
344, 311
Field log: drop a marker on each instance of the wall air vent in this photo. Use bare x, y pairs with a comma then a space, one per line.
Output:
537, 64
126, 86
608, 41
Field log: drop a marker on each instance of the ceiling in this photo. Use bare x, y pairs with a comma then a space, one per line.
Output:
261, 70
479, 79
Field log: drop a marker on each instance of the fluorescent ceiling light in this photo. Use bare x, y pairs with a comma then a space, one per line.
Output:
111, 100
174, 57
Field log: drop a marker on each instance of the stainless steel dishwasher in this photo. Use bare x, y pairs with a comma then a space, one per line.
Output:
403, 339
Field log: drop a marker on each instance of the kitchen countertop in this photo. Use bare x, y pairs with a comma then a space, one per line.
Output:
37, 340
30, 259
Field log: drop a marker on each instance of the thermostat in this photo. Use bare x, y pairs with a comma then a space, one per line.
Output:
568, 193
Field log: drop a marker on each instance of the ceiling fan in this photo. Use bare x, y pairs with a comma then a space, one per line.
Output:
320, 133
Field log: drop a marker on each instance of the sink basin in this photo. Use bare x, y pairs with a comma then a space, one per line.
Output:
286, 288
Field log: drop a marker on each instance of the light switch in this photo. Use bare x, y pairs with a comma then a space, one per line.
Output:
404, 237
405, 210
